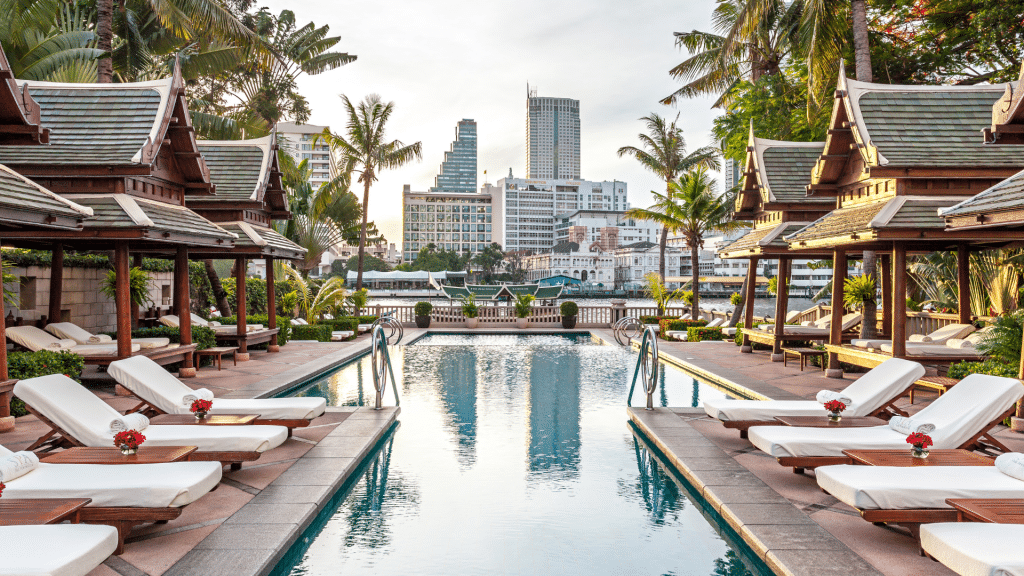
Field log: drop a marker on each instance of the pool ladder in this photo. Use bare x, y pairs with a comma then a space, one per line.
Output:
381, 361
388, 321
647, 368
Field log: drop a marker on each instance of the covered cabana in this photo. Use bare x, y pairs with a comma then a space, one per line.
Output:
894, 156
772, 197
507, 292
250, 196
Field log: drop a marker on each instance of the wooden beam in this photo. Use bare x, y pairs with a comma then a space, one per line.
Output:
122, 300
748, 304
899, 300
184, 309
963, 283
885, 271
3, 350
240, 303
56, 282
836, 330
271, 305
781, 304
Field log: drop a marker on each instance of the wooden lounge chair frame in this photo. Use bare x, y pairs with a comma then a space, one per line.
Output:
885, 412
56, 437
980, 442
249, 338
125, 518
163, 356
149, 410
871, 358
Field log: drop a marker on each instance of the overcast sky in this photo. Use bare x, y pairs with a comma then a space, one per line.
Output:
444, 60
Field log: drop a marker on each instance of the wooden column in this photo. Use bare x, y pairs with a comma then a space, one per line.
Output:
836, 331
6, 388
271, 305
56, 282
122, 300
183, 308
781, 305
136, 263
885, 275
963, 283
748, 304
899, 300
240, 302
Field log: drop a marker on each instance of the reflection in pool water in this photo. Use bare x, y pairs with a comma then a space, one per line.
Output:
514, 456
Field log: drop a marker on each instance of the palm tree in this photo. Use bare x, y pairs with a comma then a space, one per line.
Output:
693, 209
663, 151
330, 294
49, 40
365, 149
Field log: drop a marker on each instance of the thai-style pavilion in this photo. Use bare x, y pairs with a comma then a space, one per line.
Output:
250, 196
893, 157
773, 198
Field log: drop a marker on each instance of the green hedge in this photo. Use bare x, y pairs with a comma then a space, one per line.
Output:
318, 332
202, 336
22, 365
347, 323
255, 294
283, 323
993, 367
703, 333
44, 258
754, 345
666, 324
656, 319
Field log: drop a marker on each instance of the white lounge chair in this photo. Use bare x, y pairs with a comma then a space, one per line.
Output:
35, 340
71, 331
80, 418
55, 549
679, 335
715, 323
339, 335
974, 548
364, 327
299, 322
162, 393
174, 322
873, 394
818, 328
937, 338
962, 418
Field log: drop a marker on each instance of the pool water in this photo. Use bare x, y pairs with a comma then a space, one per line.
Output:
514, 455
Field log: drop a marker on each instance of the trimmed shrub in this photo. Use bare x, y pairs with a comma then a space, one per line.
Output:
990, 366
283, 323
341, 324
255, 294
569, 309
703, 333
318, 332
44, 259
666, 324
423, 308
22, 365
371, 319
656, 319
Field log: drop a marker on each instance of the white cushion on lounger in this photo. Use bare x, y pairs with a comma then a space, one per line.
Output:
716, 323
55, 549
869, 393
917, 349
958, 415
975, 549
69, 330
873, 344
150, 343
87, 419
31, 337
169, 320
914, 487
149, 381
339, 335
942, 334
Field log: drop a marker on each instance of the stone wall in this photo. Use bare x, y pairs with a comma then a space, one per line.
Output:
82, 302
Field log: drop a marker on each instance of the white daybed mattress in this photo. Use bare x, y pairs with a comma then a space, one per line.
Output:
976, 549
55, 549
916, 487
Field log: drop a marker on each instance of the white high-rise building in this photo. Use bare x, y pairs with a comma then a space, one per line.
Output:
298, 141
552, 137
732, 174
451, 221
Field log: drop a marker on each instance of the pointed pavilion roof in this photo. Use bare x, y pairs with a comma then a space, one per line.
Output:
776, 176
244, 172
1008, 115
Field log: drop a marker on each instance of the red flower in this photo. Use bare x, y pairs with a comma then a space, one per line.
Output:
920, 440
2, 486
835, 406
129, 438
201, 406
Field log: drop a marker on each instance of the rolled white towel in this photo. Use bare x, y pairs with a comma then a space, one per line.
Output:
828, 395
99, 339
136, 421
959, 343
63, 344
199, 394
17, 464
919, 338
908, 426
1011, 464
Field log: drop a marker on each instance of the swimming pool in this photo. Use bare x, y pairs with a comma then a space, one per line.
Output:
514, 456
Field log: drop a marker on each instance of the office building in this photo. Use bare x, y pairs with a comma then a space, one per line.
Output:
458, 171
552, 137
589, 226
732, 173
297, 140
451, 221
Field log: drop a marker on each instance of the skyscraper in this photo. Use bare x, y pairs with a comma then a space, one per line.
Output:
298, 140
552, 137
732, 174
458, 171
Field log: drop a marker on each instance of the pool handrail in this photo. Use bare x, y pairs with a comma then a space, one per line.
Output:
381, 366
388, 320
626, 329
647, 368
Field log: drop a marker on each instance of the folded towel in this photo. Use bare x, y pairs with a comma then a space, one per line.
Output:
200, 394
959, 343
828, 395
63, 344
213, 323
908, 426
807, 323
17, 464
136, 421
100, 339
919, 338
1011, 464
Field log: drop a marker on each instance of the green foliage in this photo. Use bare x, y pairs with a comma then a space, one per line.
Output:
44, 259
667, 324
255, 294
656, 290
991, 366
329, 296
138, 286
489, 260
318, 332
433, 259
735, 299
655, 319
913, 305
1003, 342
857, 290
423, 308
202, 336
343, 324
568, 309
358, 299
703, 333
284, 325
22, 365
287, 303
739, 341
369, 263
524, 305
469, 307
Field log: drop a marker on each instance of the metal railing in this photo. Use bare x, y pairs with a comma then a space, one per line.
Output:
381, 362
626, 329
647, 368
391, 325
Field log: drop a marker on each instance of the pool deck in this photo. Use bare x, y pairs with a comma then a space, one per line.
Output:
785, 518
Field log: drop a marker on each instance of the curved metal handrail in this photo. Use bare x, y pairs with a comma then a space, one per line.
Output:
626, 329
381, 364
391, 324
648, 368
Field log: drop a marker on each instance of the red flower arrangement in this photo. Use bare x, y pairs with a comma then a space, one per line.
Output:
920, 440
2, 486
131, 439
201, 406
835, 406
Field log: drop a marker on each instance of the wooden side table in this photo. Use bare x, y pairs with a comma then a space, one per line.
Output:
112, 455
903, 458
991, 510
217, 353
823, 421
940, 383
803, 354
35, 511
210, 420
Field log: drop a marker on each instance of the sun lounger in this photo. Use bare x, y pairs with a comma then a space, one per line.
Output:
79, 418
962, 417
936, 350
35, 340
975, 549
679, 335
873, 394
819, 328
71, 331
716, 323
55, 549
299, 322
339, 335
937, 338
123, 496
173, 321
162, 393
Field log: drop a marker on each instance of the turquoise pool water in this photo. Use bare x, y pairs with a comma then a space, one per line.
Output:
514, 456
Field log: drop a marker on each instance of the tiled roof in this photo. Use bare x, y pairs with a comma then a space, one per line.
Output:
102, 124
565, 247
1006, 195
19, 194
124, 212
548, 292
237, 168
265, 238
770, 236
786, 168
900, 212
639, 245
839, 222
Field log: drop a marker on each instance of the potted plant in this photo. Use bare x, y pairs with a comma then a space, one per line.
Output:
524, 305
569, 311
423, 310
470, 310
129, 441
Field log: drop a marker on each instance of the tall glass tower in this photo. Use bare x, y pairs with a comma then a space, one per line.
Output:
458, 171
552, 137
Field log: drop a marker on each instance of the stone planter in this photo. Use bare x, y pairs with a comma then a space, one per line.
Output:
568, 322
522, 323
472, 323
423, 321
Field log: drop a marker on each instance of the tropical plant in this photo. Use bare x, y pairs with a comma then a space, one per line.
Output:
49, 40
364, 148
858, 290
138, 286
663, 151
288, 302
469, 307
1003, 342
773, 285
735, 299
12, 296
311, 306
656, 290
358, 299
423, 308
994, 277
524, 305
